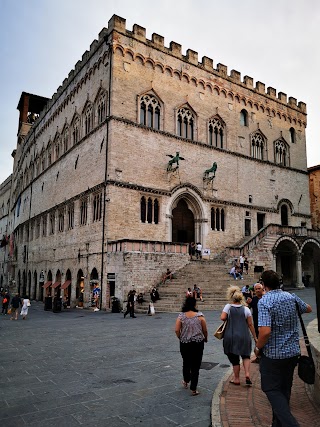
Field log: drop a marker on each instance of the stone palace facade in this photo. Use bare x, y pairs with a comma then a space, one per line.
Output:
142, 150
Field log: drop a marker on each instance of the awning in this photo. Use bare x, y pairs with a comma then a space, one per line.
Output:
55, 285
66, 284
46, 285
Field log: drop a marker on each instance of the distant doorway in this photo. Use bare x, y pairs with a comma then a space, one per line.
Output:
260, 220
284, 215
182, 223
247, 227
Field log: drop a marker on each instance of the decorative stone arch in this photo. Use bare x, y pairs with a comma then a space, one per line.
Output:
154, 104
186, 121
258, 145
287, 261
285, 207
310, 263
186, 203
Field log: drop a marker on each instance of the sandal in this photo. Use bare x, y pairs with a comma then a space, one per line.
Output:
233, 382
195, 393
248, 381
184, 384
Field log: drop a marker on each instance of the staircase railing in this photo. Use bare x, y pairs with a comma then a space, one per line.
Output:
270, 229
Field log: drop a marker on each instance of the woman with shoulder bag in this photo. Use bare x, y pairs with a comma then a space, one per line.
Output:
237, 339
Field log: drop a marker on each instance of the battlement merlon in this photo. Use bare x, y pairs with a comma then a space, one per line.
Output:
119, 24
116, 23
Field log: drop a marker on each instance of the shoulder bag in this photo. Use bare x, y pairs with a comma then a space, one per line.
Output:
306, 367
220, 331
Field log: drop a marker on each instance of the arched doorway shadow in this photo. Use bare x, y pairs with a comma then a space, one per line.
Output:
186, 217
287, 252
182, 223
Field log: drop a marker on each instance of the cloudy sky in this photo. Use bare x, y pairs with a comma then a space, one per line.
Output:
273, 41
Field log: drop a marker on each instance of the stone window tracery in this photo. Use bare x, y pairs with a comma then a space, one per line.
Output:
66, 140
57, 148
76, 131
281, 153
71, 216
52, 222
101, 108
150, 111
83, 211
61, 220
185, 123
216, 132
97, 207
149, 210
217, 219
257, 146
88, 124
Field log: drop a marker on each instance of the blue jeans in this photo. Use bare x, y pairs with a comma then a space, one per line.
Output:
276, 383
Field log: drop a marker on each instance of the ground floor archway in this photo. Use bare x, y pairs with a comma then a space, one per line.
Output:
186, 213
183, 229
287, 254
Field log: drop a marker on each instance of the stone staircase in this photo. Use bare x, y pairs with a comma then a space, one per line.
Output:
212, 277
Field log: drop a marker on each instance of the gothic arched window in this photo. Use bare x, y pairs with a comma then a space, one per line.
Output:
101, 108
150, 110
216, 132
76, 131
257, 146
281, 152
88, 120
185, 123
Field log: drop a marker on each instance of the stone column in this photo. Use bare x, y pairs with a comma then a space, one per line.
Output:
299, 271
274, 262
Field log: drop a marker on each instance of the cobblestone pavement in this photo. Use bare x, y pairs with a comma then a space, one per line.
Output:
79, 367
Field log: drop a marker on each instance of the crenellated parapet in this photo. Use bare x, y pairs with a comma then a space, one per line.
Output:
118, 24
91, 60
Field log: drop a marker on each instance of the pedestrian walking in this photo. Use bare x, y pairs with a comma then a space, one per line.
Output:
237, 339
191, 329
5, 303
130, 304
15, 305
25, 307
278, 346
199, 251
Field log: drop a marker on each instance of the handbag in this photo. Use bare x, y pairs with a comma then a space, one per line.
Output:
220, 331
306, 367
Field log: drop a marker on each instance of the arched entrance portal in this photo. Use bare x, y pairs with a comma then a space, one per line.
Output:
310, 261
183, 230
286, 261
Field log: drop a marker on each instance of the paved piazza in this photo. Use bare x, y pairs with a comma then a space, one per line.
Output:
78, 367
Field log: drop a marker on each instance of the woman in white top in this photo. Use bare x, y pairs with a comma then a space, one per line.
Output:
25, 307
237, 339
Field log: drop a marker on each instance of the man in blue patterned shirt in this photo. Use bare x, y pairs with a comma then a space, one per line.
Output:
278, 346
